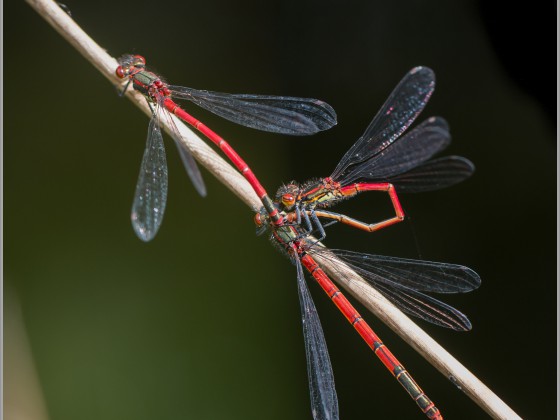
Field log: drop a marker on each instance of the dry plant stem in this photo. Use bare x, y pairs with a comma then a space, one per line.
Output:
376, 303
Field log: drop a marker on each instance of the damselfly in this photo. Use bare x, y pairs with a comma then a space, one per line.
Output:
381, 157
403, 281
277, 114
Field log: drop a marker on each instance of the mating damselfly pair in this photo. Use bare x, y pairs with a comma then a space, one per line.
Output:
384, 158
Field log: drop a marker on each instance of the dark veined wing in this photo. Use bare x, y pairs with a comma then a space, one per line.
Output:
403, 280
399, 111
150, 196
277, 114
404, 154
420, 275
426, 307
434, 174
187, 158
324, 403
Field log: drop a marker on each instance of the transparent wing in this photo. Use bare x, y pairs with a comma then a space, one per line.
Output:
151, 189
404, 154
402, 107
277, 114
420, 275
402, 281
426, 307
188, 160
434, 174
324, 403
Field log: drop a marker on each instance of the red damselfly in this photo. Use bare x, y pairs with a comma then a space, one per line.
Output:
379, 155
383, 159
402, 281
277, 114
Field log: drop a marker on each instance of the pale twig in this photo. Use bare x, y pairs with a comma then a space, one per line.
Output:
369, 297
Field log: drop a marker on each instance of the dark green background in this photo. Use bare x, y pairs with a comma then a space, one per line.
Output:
203, 322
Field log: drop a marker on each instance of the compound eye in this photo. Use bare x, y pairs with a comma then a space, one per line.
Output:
120, 72
139, 60
258, 219
288, 200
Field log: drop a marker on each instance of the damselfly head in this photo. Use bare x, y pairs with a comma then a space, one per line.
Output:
129, 63
287, 195
288, 200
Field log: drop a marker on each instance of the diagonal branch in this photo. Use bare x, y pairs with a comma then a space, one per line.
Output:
362, 291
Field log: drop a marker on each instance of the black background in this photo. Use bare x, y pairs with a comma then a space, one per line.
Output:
203, 322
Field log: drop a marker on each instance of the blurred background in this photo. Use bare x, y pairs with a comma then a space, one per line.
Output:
203, 322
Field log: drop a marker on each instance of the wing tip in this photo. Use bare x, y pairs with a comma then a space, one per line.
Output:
423, 71
145, 235
327, 114
143, 232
